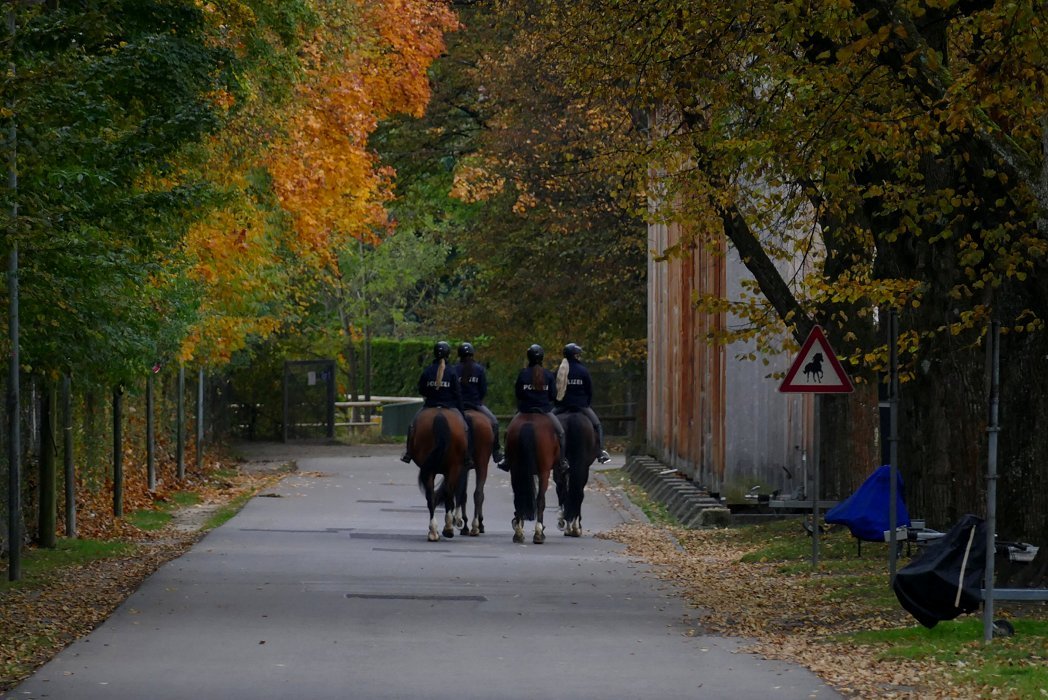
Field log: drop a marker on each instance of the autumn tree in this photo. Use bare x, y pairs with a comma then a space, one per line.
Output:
541, 251
897, 147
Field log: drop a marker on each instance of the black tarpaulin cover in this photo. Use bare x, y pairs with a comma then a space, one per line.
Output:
928, 586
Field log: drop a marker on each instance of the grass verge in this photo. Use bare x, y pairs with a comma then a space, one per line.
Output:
840, 619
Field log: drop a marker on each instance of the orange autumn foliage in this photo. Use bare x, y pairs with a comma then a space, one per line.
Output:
325, 175
361, 62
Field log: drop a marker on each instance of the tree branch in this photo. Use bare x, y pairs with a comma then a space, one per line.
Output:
907, 48
771, 284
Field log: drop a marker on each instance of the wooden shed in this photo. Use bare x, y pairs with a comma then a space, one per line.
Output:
712, 415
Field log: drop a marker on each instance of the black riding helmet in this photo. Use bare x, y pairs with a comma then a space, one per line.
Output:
535, 355
465, 350
442, 350
572, 351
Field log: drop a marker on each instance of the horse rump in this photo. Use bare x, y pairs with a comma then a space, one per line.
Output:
580, 443
523, 473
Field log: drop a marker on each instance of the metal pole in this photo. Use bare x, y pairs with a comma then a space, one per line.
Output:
893, 442
200, 419
150, 436
118, 454
14, 403
992, 430
47, 514
67, 456
816, 457
284, 426
180, 421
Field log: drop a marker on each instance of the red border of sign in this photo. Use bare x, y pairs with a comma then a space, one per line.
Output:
845, 385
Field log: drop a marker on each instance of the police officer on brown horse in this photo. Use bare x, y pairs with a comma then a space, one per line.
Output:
536, 390
575, 392
439, 387
473, 379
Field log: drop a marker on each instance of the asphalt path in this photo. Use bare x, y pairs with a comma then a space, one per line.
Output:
324, 587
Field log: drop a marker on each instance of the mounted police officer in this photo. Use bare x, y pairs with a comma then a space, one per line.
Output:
439, 387
575, 392
474, 384
536, 389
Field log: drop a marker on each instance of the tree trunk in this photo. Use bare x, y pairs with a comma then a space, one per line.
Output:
848, 450
1022, 491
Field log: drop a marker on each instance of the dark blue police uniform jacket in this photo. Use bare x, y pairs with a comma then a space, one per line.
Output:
535, 398
579, 393
474, 381
447, 395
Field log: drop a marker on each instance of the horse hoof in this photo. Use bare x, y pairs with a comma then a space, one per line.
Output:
539, 538
433, 537
518, 539
474, 532
481, 529
449, 532
561, 523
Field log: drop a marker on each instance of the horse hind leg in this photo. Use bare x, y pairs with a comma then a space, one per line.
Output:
574, 528
449, 523
540, 528
478, 511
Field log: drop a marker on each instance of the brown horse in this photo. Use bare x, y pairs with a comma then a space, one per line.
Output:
483, 443
582, 448
531, 451
439, 446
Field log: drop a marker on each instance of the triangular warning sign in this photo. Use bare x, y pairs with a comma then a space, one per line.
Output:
816, 369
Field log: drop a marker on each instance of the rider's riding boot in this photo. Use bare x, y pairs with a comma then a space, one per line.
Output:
502, 464
406, 457
604, 457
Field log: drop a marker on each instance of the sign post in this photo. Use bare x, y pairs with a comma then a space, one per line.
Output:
816, 370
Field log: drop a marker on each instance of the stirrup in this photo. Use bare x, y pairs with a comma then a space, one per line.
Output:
604, 457
501, 464
405, 458
498, 457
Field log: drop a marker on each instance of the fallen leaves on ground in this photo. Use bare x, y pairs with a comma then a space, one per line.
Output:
782, 614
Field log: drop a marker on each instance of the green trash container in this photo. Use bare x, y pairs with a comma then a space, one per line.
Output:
397, 417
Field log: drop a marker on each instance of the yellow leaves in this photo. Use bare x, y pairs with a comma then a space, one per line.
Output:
325, 175
476, 182
525, 201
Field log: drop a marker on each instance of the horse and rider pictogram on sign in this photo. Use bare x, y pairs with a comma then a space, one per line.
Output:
816, 369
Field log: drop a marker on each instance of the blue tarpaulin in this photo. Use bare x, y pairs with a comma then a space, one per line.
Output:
865, 512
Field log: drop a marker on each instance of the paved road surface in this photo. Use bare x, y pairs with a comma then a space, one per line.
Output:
326, 588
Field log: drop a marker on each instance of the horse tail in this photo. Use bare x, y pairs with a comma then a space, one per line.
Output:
562, 379
435, 459
580, 443
523, 477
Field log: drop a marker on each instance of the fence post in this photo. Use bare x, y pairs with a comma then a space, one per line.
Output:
48, 515
118, 453
180, 424
200, 420
67, 457
150, 436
